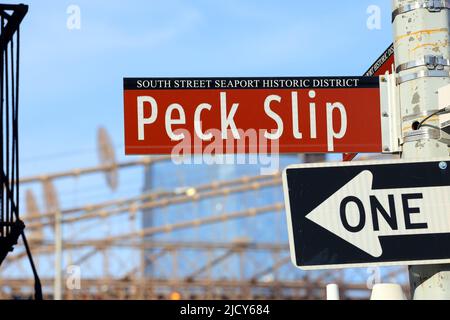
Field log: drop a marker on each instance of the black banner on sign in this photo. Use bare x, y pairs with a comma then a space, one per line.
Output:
250, 83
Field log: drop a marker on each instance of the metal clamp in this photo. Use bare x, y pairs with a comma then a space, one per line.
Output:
430, 5
430, 61
423, 74
422, 134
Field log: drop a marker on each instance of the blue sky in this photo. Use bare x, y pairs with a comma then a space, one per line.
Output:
71, 80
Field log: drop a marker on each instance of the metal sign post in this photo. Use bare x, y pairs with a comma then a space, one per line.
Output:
421, 43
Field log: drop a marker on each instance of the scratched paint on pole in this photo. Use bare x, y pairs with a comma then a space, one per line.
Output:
369, 213
252, 115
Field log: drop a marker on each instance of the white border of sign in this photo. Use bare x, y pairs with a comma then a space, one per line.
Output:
348, 164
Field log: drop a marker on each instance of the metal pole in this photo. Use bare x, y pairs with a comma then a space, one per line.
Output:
421, 41
57, 292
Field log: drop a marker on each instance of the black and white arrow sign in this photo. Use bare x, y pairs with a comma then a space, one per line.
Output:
368, 213
360, 215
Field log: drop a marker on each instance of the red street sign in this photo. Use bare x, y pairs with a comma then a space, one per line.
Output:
252, 115
384, 64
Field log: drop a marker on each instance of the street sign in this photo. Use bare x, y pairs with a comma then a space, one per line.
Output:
252, 115
384, 64
379, 213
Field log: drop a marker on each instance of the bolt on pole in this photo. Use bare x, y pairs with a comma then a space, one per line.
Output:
421, 42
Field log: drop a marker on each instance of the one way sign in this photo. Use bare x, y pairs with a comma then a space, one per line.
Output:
368, 213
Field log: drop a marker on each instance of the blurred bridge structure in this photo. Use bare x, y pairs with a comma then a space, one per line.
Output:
178, 234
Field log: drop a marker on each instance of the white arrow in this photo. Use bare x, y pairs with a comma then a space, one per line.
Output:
430, 213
